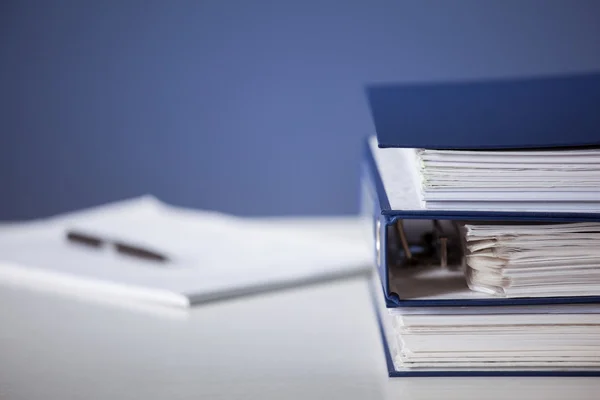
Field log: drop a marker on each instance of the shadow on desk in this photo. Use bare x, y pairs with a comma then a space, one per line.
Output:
500, 388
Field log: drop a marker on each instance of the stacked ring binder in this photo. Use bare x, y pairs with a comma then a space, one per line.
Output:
485, 206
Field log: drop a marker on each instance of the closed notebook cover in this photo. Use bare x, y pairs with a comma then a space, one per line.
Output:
544, 112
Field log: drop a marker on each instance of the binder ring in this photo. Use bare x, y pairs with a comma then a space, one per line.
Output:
378, 241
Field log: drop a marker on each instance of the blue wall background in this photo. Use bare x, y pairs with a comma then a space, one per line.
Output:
249, 107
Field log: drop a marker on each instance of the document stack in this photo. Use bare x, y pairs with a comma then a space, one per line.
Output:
485, 202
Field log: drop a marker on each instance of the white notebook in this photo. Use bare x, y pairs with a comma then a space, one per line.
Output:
210, 255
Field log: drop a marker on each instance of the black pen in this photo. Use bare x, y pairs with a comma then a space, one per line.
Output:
122, 248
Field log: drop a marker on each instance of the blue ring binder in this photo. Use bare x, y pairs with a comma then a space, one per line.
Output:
523, 113
383, 216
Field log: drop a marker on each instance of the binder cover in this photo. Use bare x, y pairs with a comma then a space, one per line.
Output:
376, 206
555, 111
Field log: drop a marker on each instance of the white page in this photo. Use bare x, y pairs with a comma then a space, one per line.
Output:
515, 206
495, 310
525, 195
544, 156
507, 167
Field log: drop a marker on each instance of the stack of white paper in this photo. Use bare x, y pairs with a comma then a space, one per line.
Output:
553, 337
566, 180
495, 341
534, 260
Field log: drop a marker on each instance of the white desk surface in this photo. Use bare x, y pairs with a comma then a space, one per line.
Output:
314, 342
